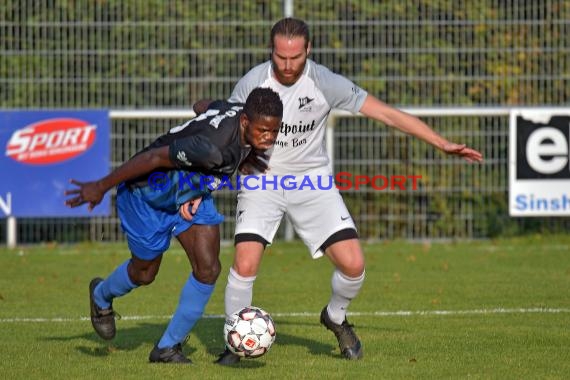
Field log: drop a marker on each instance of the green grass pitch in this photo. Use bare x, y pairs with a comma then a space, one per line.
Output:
480, 310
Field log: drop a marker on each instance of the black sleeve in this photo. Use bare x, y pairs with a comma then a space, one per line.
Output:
217, 104
195, 152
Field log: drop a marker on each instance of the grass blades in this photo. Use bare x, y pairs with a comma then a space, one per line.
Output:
484, 310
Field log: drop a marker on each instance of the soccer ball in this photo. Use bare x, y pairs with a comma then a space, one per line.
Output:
250, 332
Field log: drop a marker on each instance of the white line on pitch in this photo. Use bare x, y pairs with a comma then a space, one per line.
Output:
400, 313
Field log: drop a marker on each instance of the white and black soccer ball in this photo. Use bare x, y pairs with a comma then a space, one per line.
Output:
249, 332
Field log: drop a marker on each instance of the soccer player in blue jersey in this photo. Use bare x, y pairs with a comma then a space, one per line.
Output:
161, 193
309, 92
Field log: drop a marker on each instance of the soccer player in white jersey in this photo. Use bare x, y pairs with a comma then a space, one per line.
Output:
309, 91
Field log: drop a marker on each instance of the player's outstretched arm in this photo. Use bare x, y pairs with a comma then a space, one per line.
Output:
93, 192
464, 151
393, 117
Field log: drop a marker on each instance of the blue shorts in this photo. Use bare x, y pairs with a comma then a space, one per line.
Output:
149, 230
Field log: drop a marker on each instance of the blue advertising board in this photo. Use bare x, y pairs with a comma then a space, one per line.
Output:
42, 151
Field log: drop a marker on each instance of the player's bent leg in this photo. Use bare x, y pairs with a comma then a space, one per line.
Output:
193, 299
201, 244
347, 256
348, 342
101, 295
239, 289
347, 280
346, 283
102, 319
238, 293
248, 255
143, 272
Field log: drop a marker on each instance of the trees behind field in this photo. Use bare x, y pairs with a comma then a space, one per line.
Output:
135, 54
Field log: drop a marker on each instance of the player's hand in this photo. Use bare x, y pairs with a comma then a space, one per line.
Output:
201, 106
88, 192
255, 162
189, 209
464, 151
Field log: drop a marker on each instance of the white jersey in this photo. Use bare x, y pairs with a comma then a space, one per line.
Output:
300, 145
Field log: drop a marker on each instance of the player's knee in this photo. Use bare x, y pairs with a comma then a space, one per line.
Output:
353, 267
143, 272
144, 277
245, 268
352, 272
208, 274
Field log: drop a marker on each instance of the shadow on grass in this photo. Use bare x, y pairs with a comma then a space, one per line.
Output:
208, 331
127, 339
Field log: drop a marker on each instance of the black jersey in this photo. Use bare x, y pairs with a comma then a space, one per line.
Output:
208, 145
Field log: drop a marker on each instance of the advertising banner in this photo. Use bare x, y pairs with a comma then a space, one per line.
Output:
539, 162
42, 151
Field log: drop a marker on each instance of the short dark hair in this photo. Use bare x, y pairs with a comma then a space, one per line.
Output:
263, 102
290, 27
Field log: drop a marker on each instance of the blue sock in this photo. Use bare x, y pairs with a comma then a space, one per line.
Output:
193, 300
117, 284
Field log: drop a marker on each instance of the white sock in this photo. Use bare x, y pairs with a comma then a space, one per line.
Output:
239, 292
344, 289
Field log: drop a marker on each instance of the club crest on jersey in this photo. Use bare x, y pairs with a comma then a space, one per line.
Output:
304, 102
